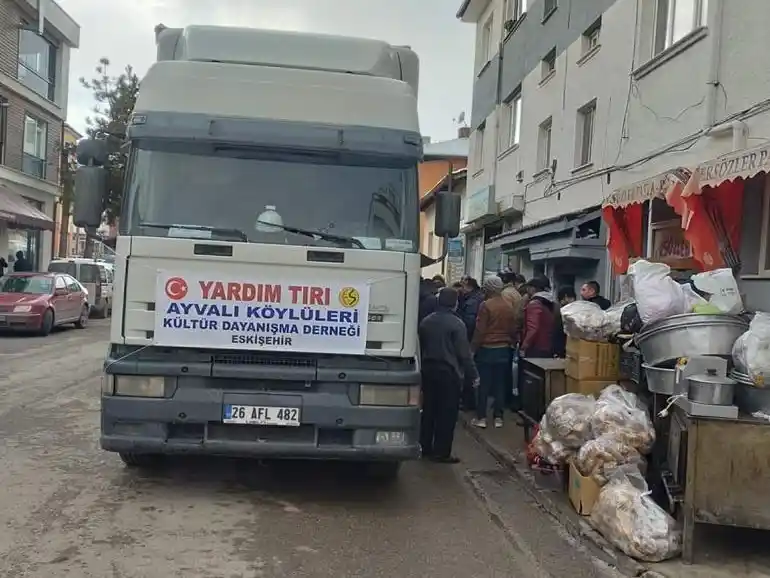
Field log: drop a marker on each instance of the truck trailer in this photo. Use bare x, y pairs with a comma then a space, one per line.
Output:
267, 264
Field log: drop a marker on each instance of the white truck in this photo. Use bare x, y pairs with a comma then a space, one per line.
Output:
267, 264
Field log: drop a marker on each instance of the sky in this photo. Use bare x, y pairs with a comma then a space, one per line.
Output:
122, 30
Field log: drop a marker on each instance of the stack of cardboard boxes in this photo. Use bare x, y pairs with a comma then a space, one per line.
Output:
590, 367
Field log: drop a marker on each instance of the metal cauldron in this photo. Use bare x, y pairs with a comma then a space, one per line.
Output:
690, 335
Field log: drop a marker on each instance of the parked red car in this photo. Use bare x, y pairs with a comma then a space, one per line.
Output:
41, 301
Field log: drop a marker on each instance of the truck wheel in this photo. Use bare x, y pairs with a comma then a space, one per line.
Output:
383, 471
143, 461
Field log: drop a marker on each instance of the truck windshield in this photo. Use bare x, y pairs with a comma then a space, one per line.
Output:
201, 192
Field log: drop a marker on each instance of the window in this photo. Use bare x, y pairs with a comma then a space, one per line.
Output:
764, 245
59, 283
37, 63
548, 7
510, 132
585, 133
478, 149
592, 36
514, 10
486, 47
544, 145
72, 285
34, 149
675, 19
548, 64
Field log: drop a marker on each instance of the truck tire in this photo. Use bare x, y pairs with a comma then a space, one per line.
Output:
386, 472
142, 461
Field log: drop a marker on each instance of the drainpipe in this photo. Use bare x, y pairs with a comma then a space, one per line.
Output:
715, 25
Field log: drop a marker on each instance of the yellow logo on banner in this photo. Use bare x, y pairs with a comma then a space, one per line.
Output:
349, 297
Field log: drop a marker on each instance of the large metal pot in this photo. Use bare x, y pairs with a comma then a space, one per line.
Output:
690, 335
750, 399
711, 389
660, 380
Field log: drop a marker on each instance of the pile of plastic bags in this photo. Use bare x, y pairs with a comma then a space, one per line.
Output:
626, 515
658, 296
606, 439
751, 352
586, 320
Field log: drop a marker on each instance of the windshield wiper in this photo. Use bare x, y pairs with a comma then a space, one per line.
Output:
342, 240
240, 235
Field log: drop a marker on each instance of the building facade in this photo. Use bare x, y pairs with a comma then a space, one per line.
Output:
584, 103
34, 74
439, 160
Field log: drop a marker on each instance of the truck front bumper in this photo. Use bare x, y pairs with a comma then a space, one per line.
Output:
191, 423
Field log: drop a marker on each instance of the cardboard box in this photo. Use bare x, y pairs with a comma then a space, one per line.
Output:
588, 386
583, 492
592, 360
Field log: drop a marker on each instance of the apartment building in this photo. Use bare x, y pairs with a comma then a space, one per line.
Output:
36, 37
591, 107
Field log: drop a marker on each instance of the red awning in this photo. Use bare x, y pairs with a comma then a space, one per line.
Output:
18, 213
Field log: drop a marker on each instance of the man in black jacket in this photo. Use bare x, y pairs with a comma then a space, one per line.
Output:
446, 362
591, 291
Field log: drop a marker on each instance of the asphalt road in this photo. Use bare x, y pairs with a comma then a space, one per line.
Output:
68, 509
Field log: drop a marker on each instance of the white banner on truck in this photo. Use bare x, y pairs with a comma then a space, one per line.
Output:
286, 314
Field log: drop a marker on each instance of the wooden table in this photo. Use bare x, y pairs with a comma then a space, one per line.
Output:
724, 478
540, 381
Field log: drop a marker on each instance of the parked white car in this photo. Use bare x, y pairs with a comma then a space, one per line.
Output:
96, 276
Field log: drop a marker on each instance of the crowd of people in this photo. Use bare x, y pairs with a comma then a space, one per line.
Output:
470, 338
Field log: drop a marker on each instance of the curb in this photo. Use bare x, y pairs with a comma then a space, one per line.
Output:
576, 527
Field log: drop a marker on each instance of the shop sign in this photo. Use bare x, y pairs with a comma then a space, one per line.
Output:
276, 311
646, 190
480, 204
744, 164
455, 259
669, 243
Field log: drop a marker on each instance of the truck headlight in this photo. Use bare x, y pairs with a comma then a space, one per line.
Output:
139, 385
389, 395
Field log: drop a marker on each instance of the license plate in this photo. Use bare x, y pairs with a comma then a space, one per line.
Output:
258, 415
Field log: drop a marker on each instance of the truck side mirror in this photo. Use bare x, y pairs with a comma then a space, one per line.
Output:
447, 222
90, 183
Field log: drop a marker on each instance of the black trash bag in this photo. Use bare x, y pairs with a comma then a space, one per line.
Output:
630, 320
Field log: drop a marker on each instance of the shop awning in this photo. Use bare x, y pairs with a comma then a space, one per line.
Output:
645, 190
18, 213
737, 165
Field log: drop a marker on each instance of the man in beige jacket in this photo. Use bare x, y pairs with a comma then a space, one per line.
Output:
512, 294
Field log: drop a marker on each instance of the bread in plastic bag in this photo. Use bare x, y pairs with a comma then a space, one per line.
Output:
568, 419
549, 448
657, 295
628, 518
722, 288
600, 457
751, 352
586, 320
622, 416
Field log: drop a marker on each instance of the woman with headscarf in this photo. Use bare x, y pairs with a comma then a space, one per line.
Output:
493, 340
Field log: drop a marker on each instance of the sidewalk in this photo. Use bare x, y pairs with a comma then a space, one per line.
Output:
721, 552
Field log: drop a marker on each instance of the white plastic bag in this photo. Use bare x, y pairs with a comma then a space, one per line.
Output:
623, 417
599, 458
692, 299
568, 419
586, 320
751, 352
722, 287
583, 320
627, 517
657, 295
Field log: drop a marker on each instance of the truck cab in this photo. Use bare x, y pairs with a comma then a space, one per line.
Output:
267, 264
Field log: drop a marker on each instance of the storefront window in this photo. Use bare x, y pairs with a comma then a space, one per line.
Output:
492, 261
25, 240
